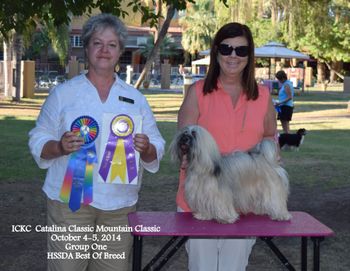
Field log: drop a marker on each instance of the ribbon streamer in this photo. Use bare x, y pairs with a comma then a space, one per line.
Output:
78, 178
119, 156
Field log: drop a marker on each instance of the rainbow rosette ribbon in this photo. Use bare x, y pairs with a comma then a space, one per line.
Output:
119, 155
78, 177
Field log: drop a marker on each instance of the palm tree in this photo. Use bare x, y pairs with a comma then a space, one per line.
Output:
167, 47
199, 26
161, 35
59, 36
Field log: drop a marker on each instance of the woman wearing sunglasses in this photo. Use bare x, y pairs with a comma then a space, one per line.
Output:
239, 114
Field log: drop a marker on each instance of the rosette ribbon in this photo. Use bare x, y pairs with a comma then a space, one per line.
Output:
119, 155
78, 178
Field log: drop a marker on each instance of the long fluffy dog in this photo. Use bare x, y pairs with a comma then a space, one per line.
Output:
220, 187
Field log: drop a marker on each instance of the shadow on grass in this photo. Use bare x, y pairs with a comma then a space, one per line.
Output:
320, 101
299, 108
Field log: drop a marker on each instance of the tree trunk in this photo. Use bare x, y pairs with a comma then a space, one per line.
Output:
18, 46
321, 74
7, 68
335, 67
274, 13
156, 36
162, 34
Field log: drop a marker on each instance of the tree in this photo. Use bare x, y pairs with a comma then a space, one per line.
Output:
320, 28
167, 47
59, 37
13, 28
58, 12
199, 26
169, 15
39, 42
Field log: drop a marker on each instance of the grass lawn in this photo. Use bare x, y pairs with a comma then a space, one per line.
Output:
319, 181
321, 161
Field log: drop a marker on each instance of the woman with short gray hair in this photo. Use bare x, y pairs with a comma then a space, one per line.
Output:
103, 21
94, 134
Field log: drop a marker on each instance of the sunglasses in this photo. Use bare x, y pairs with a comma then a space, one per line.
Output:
226, 50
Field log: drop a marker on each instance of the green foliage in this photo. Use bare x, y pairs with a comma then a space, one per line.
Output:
318, 28
59, 12
199, 26
39, 42
59, 37
167, 47
261, 31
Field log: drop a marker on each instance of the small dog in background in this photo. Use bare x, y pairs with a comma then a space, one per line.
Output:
222, 186
292, 141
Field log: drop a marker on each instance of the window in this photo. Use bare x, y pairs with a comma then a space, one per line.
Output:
75, 41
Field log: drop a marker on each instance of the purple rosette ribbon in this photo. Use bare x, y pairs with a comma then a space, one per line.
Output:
119, 155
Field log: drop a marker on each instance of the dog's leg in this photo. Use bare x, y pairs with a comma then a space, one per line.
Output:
218, 205
225, 211
201, 216
209, 200
276, 204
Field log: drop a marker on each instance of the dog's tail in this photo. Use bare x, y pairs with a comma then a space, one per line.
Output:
268, 149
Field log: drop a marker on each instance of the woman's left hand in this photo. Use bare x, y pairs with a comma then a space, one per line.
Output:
141, 143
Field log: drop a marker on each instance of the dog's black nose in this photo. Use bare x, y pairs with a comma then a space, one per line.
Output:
185, 142
185, 139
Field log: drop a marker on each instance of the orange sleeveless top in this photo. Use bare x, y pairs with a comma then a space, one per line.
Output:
236, 128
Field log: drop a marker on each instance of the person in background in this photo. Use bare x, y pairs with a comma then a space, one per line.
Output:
52, 144
238, 114
285, 101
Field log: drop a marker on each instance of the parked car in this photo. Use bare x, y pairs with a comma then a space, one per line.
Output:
58, 80
44, 81
52, 75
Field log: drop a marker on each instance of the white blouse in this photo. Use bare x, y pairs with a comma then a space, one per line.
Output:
79, 97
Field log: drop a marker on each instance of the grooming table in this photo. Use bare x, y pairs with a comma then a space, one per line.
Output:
181, 226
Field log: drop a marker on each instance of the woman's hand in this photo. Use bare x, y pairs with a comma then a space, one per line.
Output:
145, 148
70, 142
141, 143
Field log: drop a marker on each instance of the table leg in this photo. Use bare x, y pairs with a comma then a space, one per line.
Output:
303, 253
137, 254
171, 253
160, 253
278, 253
317, 241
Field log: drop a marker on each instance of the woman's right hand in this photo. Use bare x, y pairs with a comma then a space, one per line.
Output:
70, 142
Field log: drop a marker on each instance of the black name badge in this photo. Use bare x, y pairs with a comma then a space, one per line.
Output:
126, 100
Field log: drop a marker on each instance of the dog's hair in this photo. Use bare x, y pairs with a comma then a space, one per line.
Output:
292, 141
222, 186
